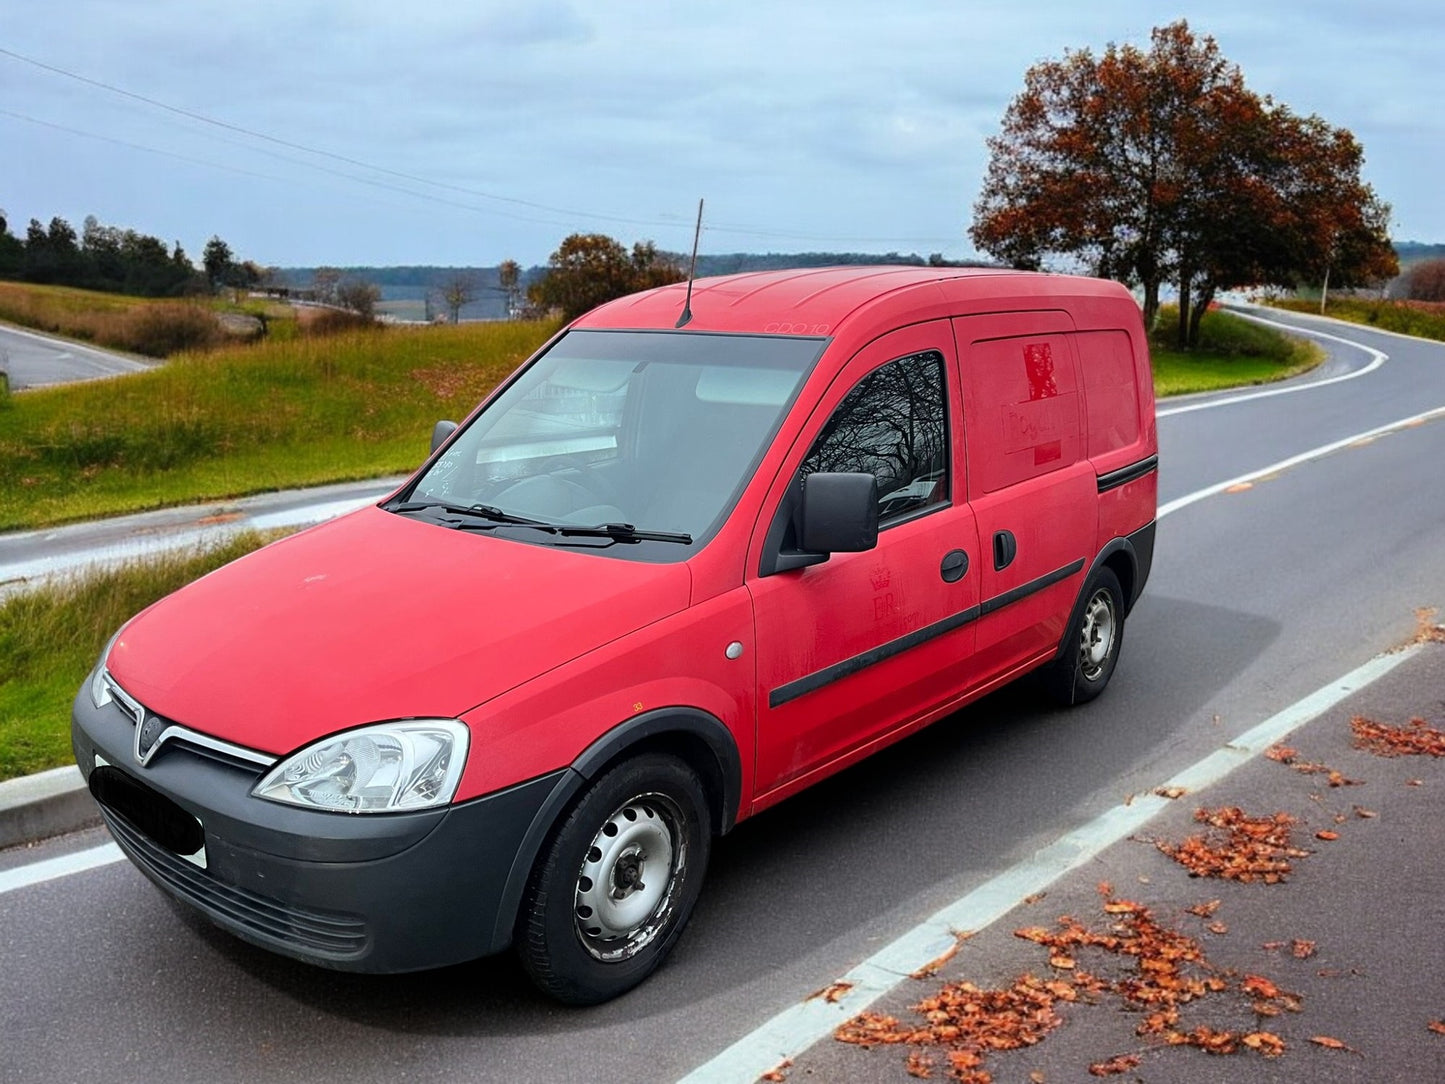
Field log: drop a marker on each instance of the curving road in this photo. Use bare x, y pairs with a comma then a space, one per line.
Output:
1299, 532
33, 360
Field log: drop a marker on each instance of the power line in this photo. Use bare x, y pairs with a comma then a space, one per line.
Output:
571, 213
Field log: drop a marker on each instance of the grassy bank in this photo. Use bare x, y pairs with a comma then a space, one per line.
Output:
1420, 318
246, 419
1232, 352
50, 638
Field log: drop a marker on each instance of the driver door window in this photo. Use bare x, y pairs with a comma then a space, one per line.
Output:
893, 425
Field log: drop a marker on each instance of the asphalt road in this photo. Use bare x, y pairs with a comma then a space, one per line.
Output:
33, 360
1259, 596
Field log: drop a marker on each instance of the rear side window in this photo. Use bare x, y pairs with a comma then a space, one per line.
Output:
1021, 410
893, 425
1111, 389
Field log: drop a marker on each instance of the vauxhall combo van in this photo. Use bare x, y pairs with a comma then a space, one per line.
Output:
701, 551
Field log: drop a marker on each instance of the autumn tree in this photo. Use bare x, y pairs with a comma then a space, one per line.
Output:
589, 269
509, 278
1426, 281
1162, 166
458, 290
359, 296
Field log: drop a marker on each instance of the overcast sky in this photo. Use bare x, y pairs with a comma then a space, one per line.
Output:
466, 133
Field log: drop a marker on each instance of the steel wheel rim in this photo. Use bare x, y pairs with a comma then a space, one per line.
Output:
626, 887
1096, 637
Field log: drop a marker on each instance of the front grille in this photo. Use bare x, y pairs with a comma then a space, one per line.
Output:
327, 935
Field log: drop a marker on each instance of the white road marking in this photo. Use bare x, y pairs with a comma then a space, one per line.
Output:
52, 868
1378, 358
801, 1025
1295, 460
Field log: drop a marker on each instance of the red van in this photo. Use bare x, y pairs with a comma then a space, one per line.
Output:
685, 562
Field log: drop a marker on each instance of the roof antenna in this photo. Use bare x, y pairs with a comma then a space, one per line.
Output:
691, 271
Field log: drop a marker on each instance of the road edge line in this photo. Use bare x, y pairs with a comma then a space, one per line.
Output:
64, 865
1379, 358
792, 1031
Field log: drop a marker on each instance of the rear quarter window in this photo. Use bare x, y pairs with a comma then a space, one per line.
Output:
1021, 410
1111, 390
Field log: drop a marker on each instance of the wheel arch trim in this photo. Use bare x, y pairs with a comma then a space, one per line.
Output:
641, 731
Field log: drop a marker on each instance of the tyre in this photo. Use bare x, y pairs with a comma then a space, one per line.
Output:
1091, 646
613, 889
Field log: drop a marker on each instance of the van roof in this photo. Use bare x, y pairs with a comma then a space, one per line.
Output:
814, 301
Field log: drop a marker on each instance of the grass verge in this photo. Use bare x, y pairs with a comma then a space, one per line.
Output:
1232, 352
51, 636
247, 419
1423, 319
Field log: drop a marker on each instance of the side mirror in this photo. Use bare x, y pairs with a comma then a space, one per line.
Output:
440, 432
840, 513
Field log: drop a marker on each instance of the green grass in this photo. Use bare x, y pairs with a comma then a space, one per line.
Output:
1232, 352
246, 419
1419, 318
51, 636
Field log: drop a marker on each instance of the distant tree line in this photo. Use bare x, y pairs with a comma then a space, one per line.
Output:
117, 260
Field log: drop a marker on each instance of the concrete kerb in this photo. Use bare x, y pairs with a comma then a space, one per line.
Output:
53, 803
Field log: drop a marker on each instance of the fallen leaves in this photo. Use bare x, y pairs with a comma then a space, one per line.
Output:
1426, 630
1115, 1065
1330, 1043
832, 993
934, 966
1416, 739
1242, 848
1284, 754
1326, 835
1437, 1026
778, 1073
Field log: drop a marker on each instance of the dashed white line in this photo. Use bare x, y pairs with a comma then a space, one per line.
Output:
1295, 460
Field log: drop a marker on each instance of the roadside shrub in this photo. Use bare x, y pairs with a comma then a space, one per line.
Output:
159, 331
336, 321
1426, 281
1226, 335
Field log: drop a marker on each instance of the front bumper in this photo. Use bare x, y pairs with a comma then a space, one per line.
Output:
358, 892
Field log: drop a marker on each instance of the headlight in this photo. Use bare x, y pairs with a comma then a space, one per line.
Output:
99, 689
383, 768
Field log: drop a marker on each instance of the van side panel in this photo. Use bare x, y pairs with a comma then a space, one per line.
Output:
1029, 481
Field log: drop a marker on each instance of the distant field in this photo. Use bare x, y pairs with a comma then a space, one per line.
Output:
247, 419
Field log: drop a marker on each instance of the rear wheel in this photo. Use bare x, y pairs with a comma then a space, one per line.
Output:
1091, 647
613, 890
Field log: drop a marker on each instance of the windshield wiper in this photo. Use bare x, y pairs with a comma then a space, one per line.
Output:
619, 532
488, 512
494, 516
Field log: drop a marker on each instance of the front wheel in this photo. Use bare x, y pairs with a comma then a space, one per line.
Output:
1091, 647
614, 888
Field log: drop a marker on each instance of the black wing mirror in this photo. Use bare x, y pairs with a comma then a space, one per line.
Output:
440, 432
840, 513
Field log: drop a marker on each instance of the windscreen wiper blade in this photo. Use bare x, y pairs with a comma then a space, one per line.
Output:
621, 532
488, 512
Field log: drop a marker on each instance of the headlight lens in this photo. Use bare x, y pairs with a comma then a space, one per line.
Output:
99, 689
383, 768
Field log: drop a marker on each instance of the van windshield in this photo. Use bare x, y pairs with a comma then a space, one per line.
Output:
658, 430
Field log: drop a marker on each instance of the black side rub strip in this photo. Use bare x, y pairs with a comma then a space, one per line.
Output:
1124, 475
839, 670
1024, 590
